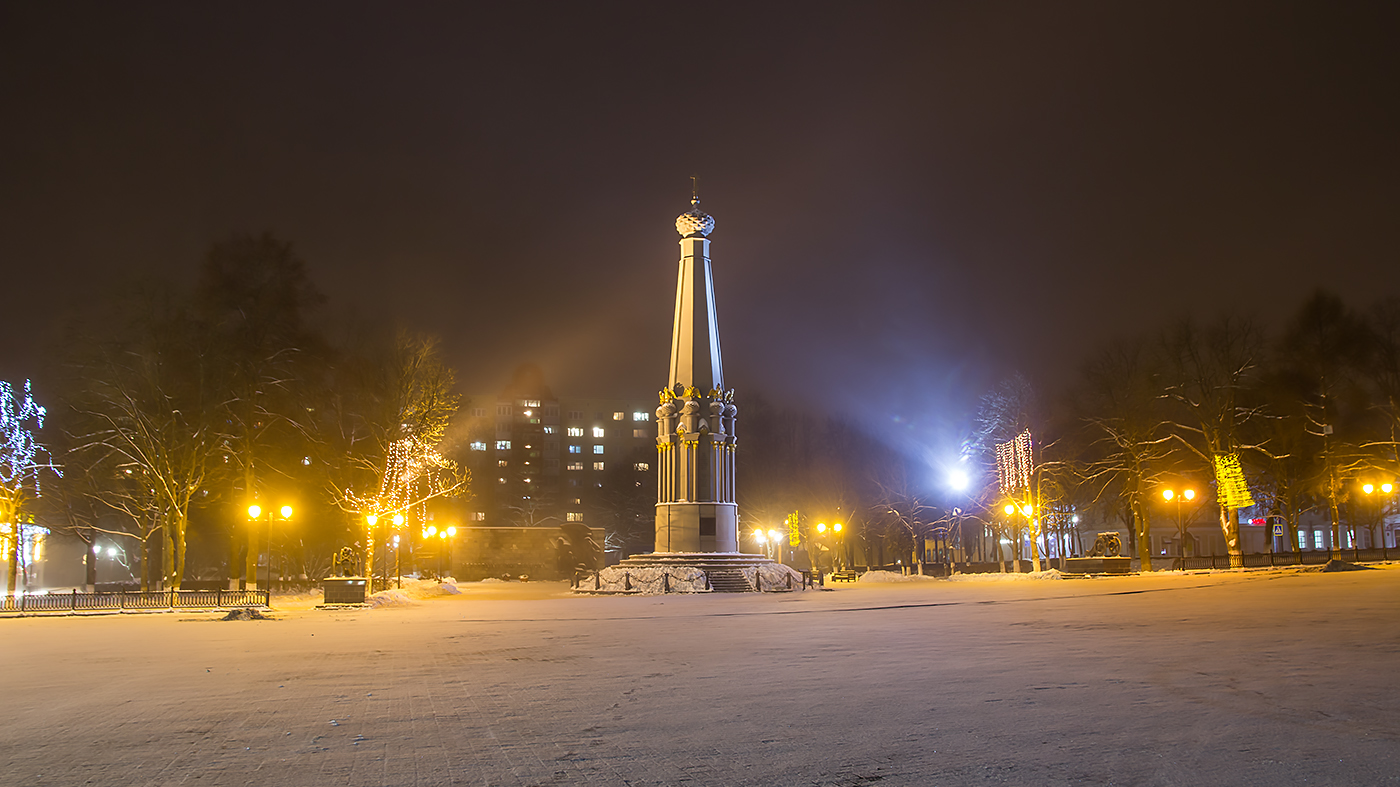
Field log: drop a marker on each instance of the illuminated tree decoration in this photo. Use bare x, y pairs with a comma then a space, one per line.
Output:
1229, 482
1014, 463
414, 472
18, 448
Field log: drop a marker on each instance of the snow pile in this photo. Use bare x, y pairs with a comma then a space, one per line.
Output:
1051, 574
430, 588
774, 576
245, 613
894, 576
390, 598
493, 580
646, 581
1334, 565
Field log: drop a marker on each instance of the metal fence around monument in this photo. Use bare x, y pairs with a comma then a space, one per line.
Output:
134, 600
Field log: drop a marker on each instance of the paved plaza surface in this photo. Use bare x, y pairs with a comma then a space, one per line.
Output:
1279, 677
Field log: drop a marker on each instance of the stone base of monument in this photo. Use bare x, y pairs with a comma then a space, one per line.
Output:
343, 590
1098, 565
692, 572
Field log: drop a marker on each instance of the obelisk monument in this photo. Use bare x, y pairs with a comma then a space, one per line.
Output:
695, 445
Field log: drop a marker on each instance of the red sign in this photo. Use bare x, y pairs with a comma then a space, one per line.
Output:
1258, 521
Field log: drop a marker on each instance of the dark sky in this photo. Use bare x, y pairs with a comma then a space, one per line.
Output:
911, 200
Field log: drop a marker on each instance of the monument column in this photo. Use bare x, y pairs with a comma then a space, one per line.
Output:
695, 510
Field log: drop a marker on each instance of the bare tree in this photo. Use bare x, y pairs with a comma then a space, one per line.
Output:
387, 436
1208, 374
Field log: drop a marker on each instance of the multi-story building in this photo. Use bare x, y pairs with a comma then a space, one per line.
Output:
538, 460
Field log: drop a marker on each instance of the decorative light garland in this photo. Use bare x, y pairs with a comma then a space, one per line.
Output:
18, 448
1014, 463
1230, 485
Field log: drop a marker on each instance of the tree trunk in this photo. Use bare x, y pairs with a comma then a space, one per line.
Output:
1230, 527
13, 563
181, 524
90, 568
167, 554
1141, 526
146, 562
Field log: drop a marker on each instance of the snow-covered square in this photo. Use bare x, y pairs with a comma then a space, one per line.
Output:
1257, 678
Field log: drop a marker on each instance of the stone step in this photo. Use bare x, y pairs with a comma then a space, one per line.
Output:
728, 581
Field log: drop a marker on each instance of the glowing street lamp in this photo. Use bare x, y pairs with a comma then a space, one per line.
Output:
256, 514
1188, 495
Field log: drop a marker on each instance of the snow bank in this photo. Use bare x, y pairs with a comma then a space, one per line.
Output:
657, 580
493, 580
647, 581
894, 576
390, 598
1034, 575
776, 576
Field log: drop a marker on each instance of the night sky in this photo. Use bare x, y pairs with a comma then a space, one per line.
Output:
911, 200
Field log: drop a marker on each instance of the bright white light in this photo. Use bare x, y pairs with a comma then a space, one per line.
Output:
96, 550
958, 480
111, 551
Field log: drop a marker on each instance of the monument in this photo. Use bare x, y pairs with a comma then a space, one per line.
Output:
695, 444
697, 522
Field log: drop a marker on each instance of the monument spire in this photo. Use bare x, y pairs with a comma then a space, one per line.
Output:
695, 510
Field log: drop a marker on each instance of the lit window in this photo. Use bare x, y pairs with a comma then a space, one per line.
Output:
578, 502
597, 465
573, 516
502, 445
531, 402
534, 420
551, 429
597, 449
1302, 540
479, 445
1317, 539
619, 416
641, 416
576, 465
575, 449
641, 467
641, 433
476, 516
576, 431
501, 463
597, 431
500, 480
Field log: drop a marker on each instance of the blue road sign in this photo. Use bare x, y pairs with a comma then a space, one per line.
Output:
1278, 530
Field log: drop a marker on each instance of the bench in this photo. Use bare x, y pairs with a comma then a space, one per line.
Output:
844, 576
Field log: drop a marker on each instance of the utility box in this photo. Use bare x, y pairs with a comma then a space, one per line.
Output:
343, 590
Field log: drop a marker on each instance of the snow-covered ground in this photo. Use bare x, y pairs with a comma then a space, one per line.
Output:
1261, 678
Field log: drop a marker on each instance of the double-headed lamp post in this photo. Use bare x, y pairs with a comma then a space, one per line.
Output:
835, 529
256, 514
1028, 511
1188, 495
442, 535
1370, 489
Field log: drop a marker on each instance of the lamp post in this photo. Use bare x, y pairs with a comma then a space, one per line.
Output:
256, 514
1187, 494
398, 521
1028, 511
443, 543
1370, 489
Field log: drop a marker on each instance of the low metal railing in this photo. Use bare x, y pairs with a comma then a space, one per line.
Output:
133, 600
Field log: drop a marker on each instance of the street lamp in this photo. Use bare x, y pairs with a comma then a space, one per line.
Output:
1370, 489
255, 514
1028, 511
1188, 495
